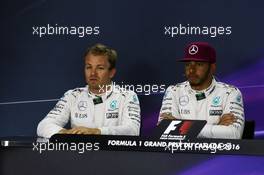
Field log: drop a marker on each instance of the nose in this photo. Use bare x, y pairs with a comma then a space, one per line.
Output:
93, 71
192, 68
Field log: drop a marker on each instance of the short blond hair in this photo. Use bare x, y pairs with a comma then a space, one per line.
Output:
100, 49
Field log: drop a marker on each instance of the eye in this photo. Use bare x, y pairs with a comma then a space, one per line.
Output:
101, 68
187, 64
87, 67
200, 64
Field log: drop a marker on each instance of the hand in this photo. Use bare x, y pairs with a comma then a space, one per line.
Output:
92, 131
227, 119
63, 131
81, 130
166, 116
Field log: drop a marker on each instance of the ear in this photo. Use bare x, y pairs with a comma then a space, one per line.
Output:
112, 72
213, 68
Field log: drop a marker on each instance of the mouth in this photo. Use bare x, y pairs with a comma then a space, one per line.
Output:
93, 79
192, 77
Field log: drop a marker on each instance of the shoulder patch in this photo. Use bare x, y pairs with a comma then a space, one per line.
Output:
77, 91
178, 85
227, 86
182, 84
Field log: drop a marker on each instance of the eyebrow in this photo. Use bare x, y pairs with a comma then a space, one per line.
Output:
96, 65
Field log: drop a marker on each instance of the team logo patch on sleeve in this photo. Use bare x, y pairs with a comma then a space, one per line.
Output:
238, 98
135, 99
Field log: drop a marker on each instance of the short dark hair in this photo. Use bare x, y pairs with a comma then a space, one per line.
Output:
100, 49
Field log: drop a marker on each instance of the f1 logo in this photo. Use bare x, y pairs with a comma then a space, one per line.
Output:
172, 126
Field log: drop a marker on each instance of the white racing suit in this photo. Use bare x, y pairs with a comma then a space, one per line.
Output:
117, 113
181, 102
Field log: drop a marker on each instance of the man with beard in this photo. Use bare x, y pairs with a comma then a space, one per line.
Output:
201, 97
99, 108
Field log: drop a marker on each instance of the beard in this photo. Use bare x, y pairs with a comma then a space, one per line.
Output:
93, 84
196, 80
